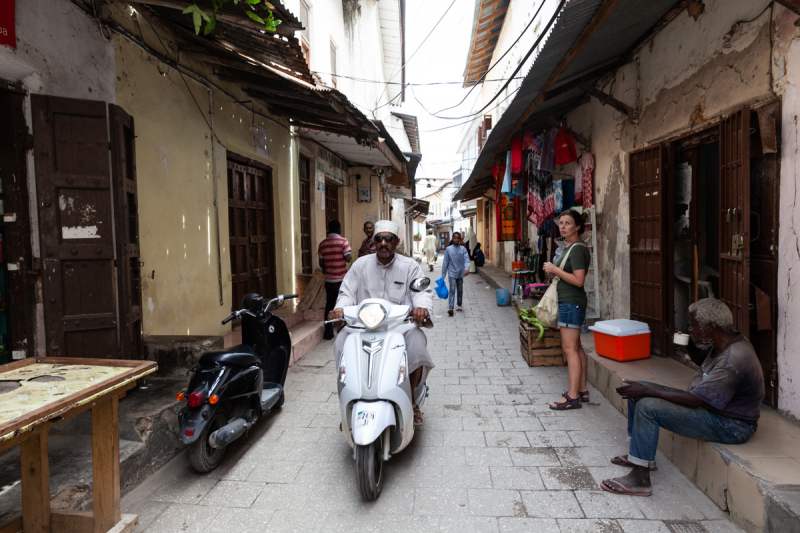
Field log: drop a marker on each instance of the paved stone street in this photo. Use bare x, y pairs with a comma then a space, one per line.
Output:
491, 455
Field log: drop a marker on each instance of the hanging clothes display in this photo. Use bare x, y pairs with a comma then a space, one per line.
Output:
528, 141
515, 161
558, 196
508, 187
541, 185
587, 167
577, 177
548, 159
507, 215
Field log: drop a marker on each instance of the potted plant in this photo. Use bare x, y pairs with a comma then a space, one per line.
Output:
417, 237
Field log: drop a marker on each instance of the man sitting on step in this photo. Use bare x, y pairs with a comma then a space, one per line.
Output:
722, 404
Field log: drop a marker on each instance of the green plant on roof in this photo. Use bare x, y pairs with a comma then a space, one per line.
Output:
259, 11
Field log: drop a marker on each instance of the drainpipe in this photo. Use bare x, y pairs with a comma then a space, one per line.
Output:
216, 197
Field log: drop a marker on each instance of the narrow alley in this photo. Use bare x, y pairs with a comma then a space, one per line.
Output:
491, 456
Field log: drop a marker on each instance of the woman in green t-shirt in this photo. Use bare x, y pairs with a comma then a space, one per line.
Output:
572, 303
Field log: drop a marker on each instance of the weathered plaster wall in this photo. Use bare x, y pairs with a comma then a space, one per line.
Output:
176, 193
62, 55
789, 232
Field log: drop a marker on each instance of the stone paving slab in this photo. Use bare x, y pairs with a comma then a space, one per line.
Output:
491, 455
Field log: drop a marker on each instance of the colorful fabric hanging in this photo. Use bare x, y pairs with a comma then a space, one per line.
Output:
587, 167
515, 161
577, 176
528, 141
508, 186
548, 160
558, 196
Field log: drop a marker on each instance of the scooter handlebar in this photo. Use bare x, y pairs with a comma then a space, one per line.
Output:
228, 319
290, 296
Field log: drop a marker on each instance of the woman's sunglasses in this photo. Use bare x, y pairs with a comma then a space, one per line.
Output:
389, 239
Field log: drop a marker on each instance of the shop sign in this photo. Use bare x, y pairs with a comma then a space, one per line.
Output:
7, 34
332, 167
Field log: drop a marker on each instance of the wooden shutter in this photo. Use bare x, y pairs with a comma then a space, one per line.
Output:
305, 214
647, 242
734, 203
75, 226
126, 218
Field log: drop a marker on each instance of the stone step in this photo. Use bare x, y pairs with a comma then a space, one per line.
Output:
305, 336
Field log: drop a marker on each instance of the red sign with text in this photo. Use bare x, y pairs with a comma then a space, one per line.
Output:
7, 35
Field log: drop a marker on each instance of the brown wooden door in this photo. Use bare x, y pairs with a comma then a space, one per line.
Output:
75, 226
734, 203
332, 205
305, 214
126, 219
251, 229
647, 242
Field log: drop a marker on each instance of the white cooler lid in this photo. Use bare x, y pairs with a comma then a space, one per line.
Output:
620, 327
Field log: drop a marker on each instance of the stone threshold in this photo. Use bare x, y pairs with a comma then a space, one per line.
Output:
757, 482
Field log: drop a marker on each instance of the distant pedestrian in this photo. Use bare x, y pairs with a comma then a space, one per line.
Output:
455, 266
334, 254
429, 248
480, 259
368, 244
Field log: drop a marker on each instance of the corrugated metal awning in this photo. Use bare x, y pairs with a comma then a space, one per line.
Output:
589, 39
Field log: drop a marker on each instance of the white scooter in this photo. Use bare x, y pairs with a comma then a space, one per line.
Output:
374, 390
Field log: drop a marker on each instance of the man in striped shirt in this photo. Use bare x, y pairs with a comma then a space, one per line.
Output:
334, 254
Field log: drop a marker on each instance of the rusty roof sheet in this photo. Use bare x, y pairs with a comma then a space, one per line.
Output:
486, 26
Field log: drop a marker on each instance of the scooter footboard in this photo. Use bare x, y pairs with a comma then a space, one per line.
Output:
370, 419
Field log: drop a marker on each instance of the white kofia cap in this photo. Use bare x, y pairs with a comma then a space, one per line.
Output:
387, 226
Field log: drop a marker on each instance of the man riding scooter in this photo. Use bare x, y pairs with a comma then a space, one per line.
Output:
388, 276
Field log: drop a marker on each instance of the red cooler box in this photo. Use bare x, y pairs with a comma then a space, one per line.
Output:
622, 340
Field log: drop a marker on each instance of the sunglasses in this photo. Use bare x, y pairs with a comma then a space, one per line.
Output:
389, 239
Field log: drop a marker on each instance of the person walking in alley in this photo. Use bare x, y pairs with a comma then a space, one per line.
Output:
723, 402
455, 266
334, 254
571, 271
429, 249
480, 259
368, 244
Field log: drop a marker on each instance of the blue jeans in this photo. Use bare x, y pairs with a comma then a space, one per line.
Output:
647, 415
455, 284
571, 316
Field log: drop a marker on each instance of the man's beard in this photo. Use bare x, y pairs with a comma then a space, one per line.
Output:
700, 344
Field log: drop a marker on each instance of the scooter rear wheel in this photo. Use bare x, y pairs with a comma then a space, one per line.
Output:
369, 469
203, 457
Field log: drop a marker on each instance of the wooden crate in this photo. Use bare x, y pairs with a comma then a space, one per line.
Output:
546, 352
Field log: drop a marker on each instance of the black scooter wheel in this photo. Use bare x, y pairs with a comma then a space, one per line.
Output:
369, 469
203, 457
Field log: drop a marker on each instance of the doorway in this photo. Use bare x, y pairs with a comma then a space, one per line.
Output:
251, 229
332, 205
305, 214
444, 239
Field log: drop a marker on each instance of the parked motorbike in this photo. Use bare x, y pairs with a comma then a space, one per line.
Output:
375, 394
231, 388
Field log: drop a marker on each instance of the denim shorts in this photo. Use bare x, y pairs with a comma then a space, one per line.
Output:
571, 316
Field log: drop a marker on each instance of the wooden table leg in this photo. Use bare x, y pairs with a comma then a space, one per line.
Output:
35, 484
105, 464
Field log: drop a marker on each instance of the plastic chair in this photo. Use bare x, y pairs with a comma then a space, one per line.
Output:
683, 272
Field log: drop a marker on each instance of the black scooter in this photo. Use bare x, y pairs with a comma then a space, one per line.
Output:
231, 388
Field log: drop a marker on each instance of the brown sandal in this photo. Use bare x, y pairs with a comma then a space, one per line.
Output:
417, 416
584, 394
571, 403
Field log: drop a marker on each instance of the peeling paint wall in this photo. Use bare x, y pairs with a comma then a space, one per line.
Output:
789, 232
175, 170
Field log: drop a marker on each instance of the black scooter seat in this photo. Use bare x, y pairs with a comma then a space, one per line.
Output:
240, 355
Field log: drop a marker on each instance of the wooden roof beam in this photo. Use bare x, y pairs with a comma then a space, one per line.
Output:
607, 99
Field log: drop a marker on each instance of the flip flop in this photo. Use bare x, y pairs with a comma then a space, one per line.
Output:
622, 460
622, 489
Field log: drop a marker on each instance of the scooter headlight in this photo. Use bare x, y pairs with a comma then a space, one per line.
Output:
402, 371
372, 315
341, 370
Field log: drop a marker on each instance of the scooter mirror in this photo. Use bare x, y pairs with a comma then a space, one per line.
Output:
420, 284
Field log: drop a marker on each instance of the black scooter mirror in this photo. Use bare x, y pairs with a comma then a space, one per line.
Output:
420, 284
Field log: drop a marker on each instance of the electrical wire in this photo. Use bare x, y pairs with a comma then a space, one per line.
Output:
544, 33
481, 79
412, 57
471, 117
407, 84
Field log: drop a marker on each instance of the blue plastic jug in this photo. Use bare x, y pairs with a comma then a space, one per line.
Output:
503, 297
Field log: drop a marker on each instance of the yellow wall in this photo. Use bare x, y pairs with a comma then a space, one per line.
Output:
176, 193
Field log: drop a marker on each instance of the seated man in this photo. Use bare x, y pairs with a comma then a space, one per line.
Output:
722, 404
388, 276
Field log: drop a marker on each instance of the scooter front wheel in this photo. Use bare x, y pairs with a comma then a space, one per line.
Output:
369, 469
203, 456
